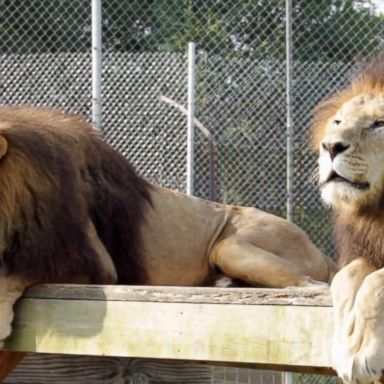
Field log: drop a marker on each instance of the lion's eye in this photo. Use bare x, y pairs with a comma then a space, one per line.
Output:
377, 124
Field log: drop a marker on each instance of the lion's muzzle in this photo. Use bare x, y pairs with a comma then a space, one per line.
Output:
337, 178
334, 148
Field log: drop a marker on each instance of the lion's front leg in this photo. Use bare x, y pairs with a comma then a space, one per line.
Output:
358, 345
11, 289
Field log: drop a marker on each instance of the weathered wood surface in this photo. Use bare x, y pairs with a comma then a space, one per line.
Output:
69, 369
246, 296
273, 327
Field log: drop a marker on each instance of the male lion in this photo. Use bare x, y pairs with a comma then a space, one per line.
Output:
72, 209
349, 132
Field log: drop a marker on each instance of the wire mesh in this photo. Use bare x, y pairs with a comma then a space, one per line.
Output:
45, 59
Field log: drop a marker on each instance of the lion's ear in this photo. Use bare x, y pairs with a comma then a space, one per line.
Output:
3, 146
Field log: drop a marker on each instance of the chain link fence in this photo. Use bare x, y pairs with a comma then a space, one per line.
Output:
45, 59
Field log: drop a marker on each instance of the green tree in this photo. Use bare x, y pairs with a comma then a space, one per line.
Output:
325, 30
38, 26
336, 29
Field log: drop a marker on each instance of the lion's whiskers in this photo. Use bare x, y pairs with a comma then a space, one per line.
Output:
314, 176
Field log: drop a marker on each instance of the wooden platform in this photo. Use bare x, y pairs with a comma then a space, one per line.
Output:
286, 329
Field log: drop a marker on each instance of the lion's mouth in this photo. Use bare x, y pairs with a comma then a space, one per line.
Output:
336, 178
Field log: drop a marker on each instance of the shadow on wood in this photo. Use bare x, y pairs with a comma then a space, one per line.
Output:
267, 327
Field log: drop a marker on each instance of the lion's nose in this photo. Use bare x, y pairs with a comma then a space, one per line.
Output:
335, 149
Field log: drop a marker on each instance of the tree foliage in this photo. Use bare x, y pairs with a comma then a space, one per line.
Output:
326, 30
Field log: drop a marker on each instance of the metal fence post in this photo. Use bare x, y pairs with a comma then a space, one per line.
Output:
288, 37
96, 63
190, 117
287, 376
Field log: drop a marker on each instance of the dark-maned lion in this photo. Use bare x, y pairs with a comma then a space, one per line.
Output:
349, 133
72, 209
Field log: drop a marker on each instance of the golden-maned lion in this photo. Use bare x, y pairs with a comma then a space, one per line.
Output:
349, 133
72, 209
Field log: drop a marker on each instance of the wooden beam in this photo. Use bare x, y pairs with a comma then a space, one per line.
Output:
252, 296
290, 328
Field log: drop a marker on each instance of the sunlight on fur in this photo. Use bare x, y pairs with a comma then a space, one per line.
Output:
349, 135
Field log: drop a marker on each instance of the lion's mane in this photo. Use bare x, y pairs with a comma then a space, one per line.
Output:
369, 79
55, 174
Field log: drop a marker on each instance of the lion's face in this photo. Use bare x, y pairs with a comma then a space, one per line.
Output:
351, 159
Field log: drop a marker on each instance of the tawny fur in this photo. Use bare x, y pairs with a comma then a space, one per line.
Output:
72, 209
57, 174
369, 80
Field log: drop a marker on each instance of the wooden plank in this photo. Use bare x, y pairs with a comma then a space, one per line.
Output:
272, 334
70, 369
246, 296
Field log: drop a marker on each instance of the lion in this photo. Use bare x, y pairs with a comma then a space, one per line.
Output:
74, 210
349, 135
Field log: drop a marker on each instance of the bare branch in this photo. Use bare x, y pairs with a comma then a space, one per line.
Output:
203, 129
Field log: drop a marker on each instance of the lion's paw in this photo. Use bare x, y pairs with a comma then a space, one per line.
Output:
358, 368
307, 282
358, 343
357, 351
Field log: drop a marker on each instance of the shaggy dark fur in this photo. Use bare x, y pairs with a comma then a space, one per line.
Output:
360, 237
56, 174
119, 198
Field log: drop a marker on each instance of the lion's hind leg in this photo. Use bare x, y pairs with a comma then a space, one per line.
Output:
239, 259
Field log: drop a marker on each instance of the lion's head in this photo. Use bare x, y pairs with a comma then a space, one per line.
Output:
349, 134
